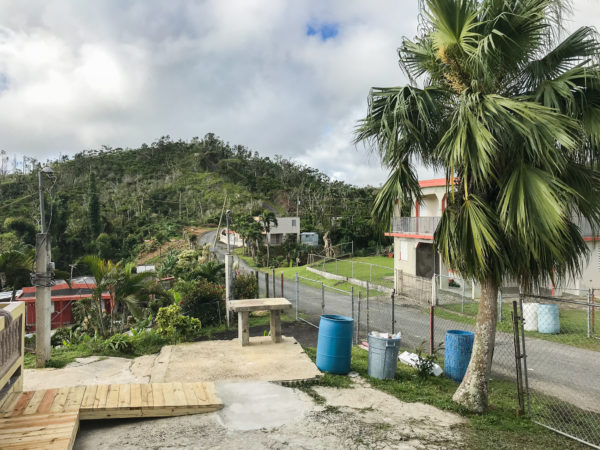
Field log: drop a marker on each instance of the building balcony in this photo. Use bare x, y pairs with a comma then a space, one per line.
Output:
425, 227
415, 226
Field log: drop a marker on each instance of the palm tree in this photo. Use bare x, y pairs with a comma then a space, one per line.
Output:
16, 268
512, 115
268, 218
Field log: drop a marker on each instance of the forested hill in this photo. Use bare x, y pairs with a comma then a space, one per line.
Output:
109, 201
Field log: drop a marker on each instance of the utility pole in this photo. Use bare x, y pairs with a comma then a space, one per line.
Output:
228, 271
43, 279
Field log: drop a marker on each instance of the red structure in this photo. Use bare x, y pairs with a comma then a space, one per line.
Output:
62, 298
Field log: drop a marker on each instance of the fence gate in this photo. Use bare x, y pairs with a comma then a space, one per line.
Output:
562, 370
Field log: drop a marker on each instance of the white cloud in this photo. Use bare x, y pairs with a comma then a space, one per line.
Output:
78, 75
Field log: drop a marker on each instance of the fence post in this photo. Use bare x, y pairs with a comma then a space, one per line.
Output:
393, 311
518, 369
524, 354
431, 328
282, 285
589, 314
267, 283
500, 304
358, 321
257, 284
274, 283
322, 298
297, 294
367, 307
433, 291
352, 299
593, 313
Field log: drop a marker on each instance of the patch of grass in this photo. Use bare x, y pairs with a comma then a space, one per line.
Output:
573, 323
376, 269
289, 274
500, 428
29, 361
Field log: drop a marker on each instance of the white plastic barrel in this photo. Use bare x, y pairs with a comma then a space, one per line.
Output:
530, 315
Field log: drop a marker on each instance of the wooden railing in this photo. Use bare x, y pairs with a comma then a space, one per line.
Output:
11, 345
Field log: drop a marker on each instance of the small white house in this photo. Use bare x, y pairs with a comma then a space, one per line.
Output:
309, 238
286, 227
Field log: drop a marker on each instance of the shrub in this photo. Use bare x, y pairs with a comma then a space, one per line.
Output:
147, 342
175, 326
203, 300
121, 343
245, 286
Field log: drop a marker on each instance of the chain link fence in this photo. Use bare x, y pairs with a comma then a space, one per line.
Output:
563, 364
360, 271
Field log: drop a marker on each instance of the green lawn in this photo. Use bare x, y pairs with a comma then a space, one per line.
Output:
289, 274
501, 428
365, 268
573, 324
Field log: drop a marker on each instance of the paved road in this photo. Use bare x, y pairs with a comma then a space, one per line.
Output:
563, 371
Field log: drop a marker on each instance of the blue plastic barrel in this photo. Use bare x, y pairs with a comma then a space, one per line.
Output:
459, 345
548, 319
334, 345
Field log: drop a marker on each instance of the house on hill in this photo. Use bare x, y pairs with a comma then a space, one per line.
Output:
414, 253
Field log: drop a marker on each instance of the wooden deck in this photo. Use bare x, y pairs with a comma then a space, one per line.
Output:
50, 418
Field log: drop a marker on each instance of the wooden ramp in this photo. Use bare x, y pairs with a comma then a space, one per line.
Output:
50, 418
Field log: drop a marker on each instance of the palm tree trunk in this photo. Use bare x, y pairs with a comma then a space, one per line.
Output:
473, 391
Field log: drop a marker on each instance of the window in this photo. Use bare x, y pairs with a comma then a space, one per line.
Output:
404, 250
293, 222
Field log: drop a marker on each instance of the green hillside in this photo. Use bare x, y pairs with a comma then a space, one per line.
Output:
110, 201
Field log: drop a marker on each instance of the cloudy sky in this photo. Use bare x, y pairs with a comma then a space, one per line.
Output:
281, 77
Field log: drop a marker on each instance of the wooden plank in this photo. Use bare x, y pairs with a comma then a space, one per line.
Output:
200, 390
136, 396
178, 394
39, 431
190, 394
74, 399
158, 395
243, 328
276, 326
147, 397
89, 397
112, 399
260, 304
124, 396
10, 403
101, 396
211, 394
59, 401
47, 401
169, 394
21, 404
35, 402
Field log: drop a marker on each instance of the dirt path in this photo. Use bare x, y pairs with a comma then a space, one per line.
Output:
176, 244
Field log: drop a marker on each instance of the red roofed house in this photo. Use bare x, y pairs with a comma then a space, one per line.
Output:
62, 300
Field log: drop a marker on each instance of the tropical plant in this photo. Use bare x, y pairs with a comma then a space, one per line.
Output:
268, 218
175, 326
202, 299
512, 115
16, 268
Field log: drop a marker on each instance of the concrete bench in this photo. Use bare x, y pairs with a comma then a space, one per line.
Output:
244, 307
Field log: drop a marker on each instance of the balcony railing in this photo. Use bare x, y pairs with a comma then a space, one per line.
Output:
427, 225
415, 225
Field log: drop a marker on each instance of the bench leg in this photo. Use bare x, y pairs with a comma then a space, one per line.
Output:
276, 326
243, 328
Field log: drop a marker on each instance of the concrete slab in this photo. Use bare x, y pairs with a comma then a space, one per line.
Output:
258, 404
92, 370
262, 360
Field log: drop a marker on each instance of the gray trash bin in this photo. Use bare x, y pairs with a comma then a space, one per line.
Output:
383, 356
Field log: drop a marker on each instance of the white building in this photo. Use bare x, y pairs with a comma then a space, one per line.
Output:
286, 226
414, 253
